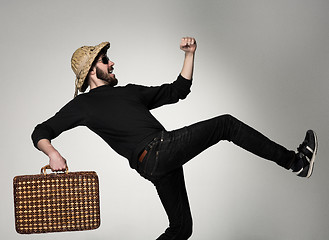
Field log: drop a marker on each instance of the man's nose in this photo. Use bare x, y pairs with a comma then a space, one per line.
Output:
111, 63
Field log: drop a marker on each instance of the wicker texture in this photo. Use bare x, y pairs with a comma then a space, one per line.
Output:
56, 202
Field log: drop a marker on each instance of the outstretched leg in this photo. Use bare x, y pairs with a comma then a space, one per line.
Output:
173, 149
177, 147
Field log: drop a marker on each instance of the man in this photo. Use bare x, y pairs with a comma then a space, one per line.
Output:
121, 116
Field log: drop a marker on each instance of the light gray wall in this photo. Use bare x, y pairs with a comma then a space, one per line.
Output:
265, 62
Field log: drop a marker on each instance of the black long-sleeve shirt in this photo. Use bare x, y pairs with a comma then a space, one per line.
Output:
119, 115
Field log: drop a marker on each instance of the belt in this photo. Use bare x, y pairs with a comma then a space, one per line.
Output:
142, 156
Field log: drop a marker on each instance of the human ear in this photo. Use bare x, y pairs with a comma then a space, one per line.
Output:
92, 71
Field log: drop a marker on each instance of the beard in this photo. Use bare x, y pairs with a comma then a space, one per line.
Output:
106, 77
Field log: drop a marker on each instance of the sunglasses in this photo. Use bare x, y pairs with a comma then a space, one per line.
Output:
104, 60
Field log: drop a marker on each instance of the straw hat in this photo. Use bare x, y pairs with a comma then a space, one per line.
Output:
81, 61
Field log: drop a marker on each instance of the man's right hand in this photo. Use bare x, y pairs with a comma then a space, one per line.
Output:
188, 45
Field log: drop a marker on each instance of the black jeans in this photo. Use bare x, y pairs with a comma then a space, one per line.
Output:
167, 153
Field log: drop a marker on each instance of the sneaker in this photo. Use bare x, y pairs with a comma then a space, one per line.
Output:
306, 153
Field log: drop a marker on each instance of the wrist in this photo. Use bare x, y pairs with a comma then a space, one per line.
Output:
52, 153
189, 54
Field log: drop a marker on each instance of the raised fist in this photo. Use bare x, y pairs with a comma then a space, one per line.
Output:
188, 44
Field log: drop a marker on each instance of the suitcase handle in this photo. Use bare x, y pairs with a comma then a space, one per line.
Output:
43, 169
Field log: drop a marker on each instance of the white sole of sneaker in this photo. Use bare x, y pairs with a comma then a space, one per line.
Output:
310, 170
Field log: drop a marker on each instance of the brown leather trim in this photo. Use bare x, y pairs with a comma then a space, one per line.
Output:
141, 157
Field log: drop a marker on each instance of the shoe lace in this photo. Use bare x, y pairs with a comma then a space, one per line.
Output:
301, 150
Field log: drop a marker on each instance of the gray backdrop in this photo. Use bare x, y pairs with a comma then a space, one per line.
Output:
265, 62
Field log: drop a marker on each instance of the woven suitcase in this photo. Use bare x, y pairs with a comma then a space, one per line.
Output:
56, 202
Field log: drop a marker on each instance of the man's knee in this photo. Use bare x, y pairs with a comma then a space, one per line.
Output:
228, 117
228, 127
